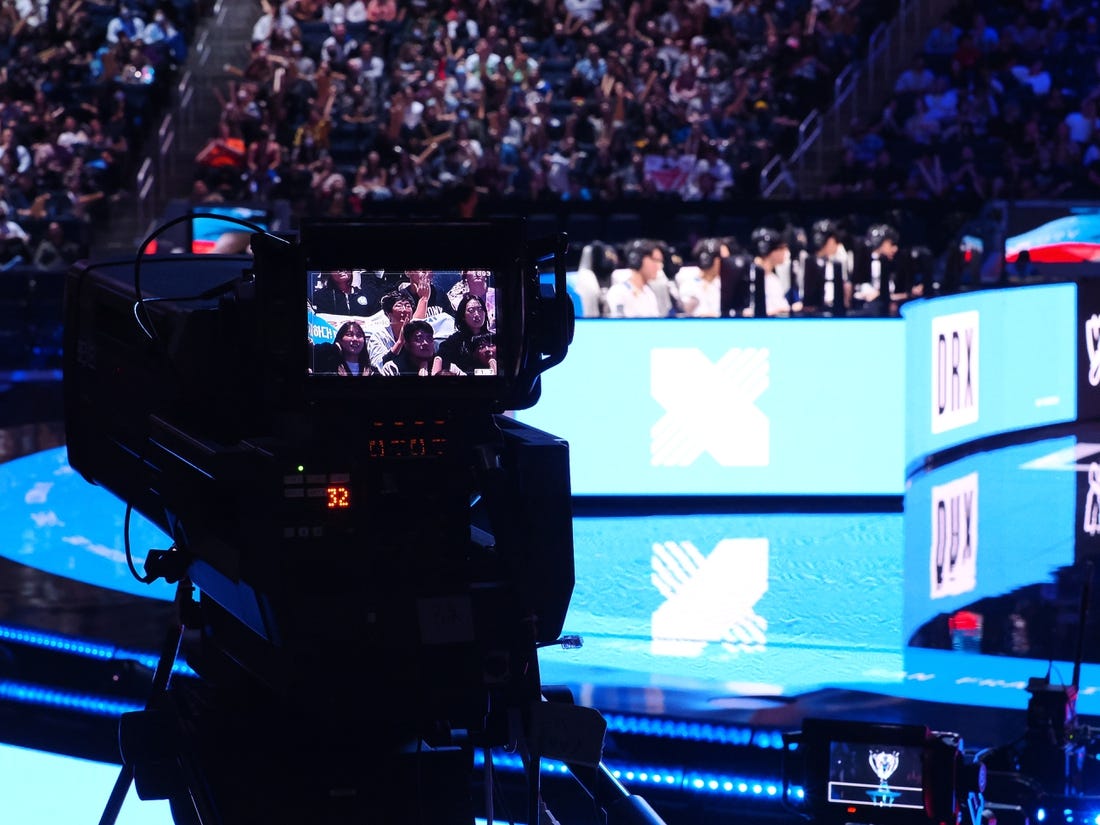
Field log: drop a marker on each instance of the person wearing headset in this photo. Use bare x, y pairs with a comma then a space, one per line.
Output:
634, 296
700, 286
877, 285
825, 287
757, 290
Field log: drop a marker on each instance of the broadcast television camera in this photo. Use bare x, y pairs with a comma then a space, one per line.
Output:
377, 558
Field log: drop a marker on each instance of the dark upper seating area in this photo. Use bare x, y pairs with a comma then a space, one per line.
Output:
82, 87
83, 84
1001, 103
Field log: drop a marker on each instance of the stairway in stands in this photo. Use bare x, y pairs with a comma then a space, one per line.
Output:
221, 38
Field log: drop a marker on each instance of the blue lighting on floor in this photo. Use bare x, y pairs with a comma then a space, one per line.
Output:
85, 649
29, 694
669, 777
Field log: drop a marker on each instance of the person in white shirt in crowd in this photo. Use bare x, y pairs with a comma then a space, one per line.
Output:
1083, 123
353, 12
72, 133
917, 79
14, 241
1034, 75
159, 30
275, 21
128, 23
634, 296
21, 158
339, 46
33, 12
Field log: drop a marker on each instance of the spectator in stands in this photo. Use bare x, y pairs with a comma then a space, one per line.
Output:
417, 354
222, 161
428, 301
275, 26
382, 11
943, 40
262, 159
13, 240
475, 282
457, 351
338, 47
942, 102
350, 356
10, 145
985, 37
338, 296
371, 183
162, 35
372, 68
485, 349
328, 186
313, 138
384, 338
1033, 75
305, 11
127, 25
916, 80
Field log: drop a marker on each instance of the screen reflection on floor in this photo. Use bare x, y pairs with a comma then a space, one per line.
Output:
776, 604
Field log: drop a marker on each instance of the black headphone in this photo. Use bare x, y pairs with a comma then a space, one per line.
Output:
880, 233
765, 241
820, 233
707, 251
635, 252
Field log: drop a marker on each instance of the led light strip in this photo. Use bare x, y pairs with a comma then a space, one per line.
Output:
29, 694
87, 650
664, 777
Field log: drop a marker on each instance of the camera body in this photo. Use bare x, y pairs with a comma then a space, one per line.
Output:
395, 524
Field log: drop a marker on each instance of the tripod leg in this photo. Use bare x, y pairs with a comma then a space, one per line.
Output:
118, 795
161, 678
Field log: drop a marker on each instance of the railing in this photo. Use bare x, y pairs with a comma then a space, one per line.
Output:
146, 183
155, 174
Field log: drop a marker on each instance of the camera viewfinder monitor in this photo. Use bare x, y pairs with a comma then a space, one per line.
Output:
413, 311
876, 775
883, 774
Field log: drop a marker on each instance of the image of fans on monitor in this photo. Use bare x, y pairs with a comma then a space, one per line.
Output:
411, 322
